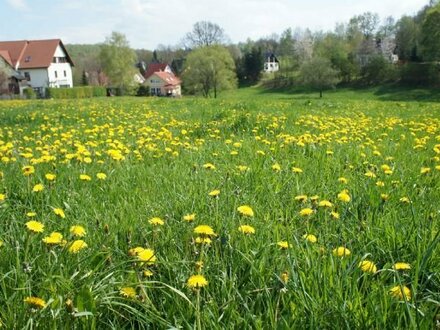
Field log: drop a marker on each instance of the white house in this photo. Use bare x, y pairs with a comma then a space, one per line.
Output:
44, 63
161, 80
271, 63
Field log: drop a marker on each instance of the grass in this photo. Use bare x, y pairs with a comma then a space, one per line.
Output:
155, 155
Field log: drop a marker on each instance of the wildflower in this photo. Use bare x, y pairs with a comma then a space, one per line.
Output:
101, 176
306, 212
77, 246
53, 239
344, 196
335, 215
147, 256
401, 266
325, 203
368, 266
128, 292
197, 281
384, 197
370, 174
276, 167
405, 200
59, 212
78, 231
35, 226
28, 170
203, 240
199, 265
296, 170
314, 198
341, 252
209, 166
285, 277
35, 302
400, 292
245, 229
310, 237
31, 214
425, 170
301, 198
380, 184
242, 168
50, 177
245, 210
342, 180
283, 245
147, 273
38, 187
2, 197
85, 177
204, 230
189, 217
214, 193
156, 221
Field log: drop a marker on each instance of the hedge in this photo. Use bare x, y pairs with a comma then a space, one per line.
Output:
76, 92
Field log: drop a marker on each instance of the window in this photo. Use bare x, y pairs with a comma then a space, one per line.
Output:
27, 59
54, 60
27, 76
65, 73
56, 74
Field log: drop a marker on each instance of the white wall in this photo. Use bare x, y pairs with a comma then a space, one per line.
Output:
39, 77
63, 76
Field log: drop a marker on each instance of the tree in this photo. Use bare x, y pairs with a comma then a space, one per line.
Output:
407, 38
430, 34
318, 73
205, 34
251, 65
209, 69
118, 61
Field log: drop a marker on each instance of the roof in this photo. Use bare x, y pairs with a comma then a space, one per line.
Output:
155, 67
31, 54
5, 55
169, 78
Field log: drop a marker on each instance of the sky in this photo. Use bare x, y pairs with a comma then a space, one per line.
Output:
148, 23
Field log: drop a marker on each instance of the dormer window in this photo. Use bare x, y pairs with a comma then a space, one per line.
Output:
27, 59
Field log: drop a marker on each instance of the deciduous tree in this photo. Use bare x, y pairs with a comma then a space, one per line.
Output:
318, 73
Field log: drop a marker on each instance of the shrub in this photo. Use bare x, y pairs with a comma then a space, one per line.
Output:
29, 93
76, 92
143, 91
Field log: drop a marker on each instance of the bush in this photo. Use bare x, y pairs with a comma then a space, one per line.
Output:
76, 92
29, 93
143, 91
377, 71
420, 74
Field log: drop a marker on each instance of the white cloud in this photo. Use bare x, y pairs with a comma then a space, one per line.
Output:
18, 4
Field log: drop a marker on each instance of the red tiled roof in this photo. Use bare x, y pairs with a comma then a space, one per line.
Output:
32, 53
154, 67
169, 78
5, 55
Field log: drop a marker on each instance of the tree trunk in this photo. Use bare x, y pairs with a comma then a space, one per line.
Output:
320, 93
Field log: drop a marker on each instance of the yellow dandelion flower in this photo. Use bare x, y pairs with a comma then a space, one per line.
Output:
370, 174
78, 231
314, 198
35, 302
85, 177
401, 266
283, 245
342, 180
325, 203
310, 238
380, 184
59, 212
197, 281
425, 170
405, 200
77, 246
285, 277
341, 252
344, 196
306, 212
35, 226
245, 210
128, 292
400, 292
384, 197
199, 265
189, 217
2, 197
50, 177
368, 266
147, 273
147, 256
335, 215
301, 198
53, 239
276, 167
204, 230
38, 187
28, 170
214, 193
246, 229
209, 166
156, 221
296, 170
203, 240
101, 176
31, 214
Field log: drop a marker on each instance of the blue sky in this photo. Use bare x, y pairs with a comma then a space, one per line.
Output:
147, 23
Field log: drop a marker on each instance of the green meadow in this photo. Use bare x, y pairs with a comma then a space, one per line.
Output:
255, 210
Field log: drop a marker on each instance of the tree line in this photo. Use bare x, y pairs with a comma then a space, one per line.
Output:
366, 50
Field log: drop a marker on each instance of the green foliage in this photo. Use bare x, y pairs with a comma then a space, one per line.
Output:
76, 92
319, 74
143, 91
420, 74
430, 32
209, 70
29, 93
250, 66
118, 61
378, 70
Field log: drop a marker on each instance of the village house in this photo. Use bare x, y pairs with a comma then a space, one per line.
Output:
271, 63
161, 80
11, 82
43, 63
